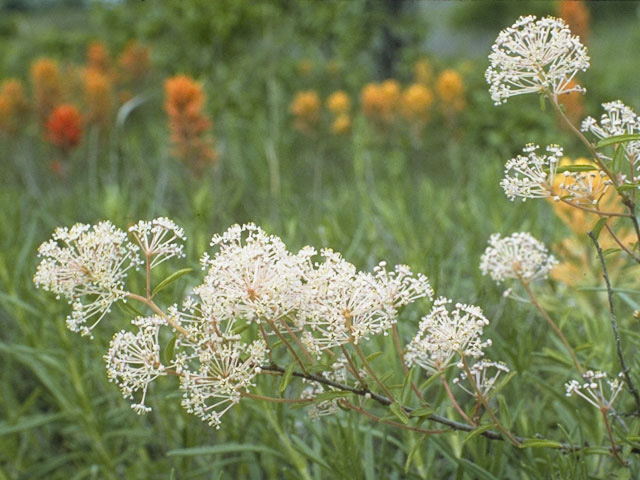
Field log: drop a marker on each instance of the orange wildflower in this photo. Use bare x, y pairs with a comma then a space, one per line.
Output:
450, 89
97, 94
342, 124
98, 57
135, 61
13, 105
416, 101
380, 101
189, 126
339, 102
47, 86
305, 107
64, 127
576, 14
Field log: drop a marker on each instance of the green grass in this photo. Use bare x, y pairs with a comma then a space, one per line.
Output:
431, 205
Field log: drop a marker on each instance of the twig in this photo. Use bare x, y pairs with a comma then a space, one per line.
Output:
614, 325
619, 242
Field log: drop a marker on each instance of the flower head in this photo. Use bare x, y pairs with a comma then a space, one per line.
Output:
485, 374
133, 360
380, 101
47, 86
305, 107
13, 105
450, 89
597, 389
87, 264
535, 56
416, 101
576, 14
97, 94
159, 239
617, 119
64, 127
98, 57
443, 334
518, 256
531, 175
134, 61
339, 102
341, 124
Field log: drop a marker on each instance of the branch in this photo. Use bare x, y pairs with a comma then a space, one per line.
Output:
614, 325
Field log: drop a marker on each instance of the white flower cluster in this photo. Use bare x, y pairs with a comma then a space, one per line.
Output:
593, 388
133, 360
88, 265
443, 334
518, 256
253, 279
158, 239
343, 305
535, 56
484, 381
618, 119
338, 373
531, 175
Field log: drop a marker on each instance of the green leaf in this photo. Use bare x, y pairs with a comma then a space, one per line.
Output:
412, 453
430, 380
628, 186
286, 377
503, 383
618, 156
421, 412
609, 251
222, 449
373, 356
170, 279
576, 168
28, 423
169, 349
325, 396
540, 443
543, 103
597, 228
478, 431
504, 411
399, 412
129, 309
605, 142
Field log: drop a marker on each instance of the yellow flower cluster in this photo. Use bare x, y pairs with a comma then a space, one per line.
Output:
13, 105
306, 110
450, 89
379, 101
339, 104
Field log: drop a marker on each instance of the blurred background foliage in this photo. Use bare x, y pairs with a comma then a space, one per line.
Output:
401, 180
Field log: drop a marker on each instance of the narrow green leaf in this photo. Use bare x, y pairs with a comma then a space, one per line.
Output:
286, 377
169, 349
29, 422
373, 356
399, 412
539, 443
597, 228
618, 156
543, 103
421, 412
577, 168
504, 411
129, 309
628, 186
318, 368
413, 451
170, 279
222, 449
605, 142
324, 396
609, 251
430, 380
503, 383
478, 431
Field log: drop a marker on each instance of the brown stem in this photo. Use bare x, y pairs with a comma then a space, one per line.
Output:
398, 345
352, 366
552, 324
596, 211
455, 404
288, 345
266, 341
152, 305
614, 326
371, 372
298, 342
622, 245
614, 449
484, 402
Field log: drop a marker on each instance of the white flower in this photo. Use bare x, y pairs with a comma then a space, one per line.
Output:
88, 265
343, 305
443, 335
593, 389
531, 175
338, 373
483, 380
224, 371
618, 119
158, 239
252, 276
133, 360
518, 256
535, 56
